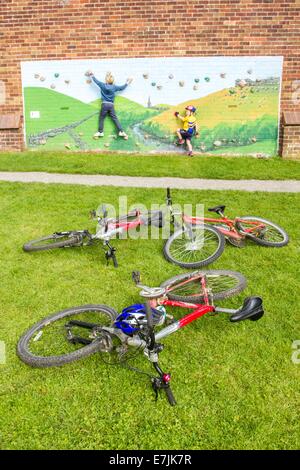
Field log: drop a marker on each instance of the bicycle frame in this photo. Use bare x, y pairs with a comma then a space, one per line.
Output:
112, 227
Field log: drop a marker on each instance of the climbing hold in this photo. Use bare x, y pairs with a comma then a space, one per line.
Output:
88, 73
67, 82
80, 134
43, 141
42, 79
197, 80
106, 144
223, 75
181, 83
253, 139
217, 143
52, 86
202, 147
171, 76
242, 83
146, 136
207, 79
36, 75
153, 83
145, 75
68, 146
56, 75
195, 87
232, 91
159, 87
249, 71
88, 81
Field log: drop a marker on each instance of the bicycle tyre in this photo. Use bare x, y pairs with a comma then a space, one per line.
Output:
32, 246
51, 361
238, 278
219, 237
261, 241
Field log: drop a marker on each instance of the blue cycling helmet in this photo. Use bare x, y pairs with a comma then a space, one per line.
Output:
134, 317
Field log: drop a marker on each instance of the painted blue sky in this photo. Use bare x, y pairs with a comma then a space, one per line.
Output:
158, 69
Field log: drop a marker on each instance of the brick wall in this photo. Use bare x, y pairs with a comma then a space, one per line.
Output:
291, 142
69, 29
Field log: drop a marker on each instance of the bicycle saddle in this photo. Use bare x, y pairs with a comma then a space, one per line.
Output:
217, 209
252, 309
152, 292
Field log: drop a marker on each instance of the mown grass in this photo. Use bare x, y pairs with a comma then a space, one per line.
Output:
212, 167
235, 384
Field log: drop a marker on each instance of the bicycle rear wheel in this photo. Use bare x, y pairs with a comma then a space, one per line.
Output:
55, 240
266, 233
187, 287
195, 246
53, 341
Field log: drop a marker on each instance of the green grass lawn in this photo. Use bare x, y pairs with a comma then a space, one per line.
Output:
235, 384
154, 165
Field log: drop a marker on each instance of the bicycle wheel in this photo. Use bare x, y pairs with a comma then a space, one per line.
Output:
194, 246
187, 287
51, 341
266, 234
56, 240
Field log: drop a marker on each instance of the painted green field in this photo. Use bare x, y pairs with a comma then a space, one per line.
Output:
235, 384
59, 112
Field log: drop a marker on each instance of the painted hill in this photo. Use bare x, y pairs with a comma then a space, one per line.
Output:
226, 106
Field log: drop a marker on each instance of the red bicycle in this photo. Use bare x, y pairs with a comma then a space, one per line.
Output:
77, 332
107, 229
193, 245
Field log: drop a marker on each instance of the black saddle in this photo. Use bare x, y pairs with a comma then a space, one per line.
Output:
252, 309
217, 209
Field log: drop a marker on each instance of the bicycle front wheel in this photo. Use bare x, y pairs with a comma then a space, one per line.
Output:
187, 287
262, 231
65, 336
56, 240
195, 246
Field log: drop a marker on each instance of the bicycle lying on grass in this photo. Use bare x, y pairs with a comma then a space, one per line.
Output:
107, 229
77, 332
190, 247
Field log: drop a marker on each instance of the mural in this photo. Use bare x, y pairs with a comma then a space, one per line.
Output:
237, 101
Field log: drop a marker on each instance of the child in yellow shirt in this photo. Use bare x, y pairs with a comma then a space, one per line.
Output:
189, 128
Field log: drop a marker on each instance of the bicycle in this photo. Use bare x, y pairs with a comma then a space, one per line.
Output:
77, 332
194, 246
107, 229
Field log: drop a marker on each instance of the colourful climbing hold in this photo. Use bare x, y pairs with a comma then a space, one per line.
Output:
171, 76
145, 75
223, 75
197, 80
159, 87
181, 83
56, 75
88, 81
195, 87
52, 86
42, 79
153, 83
36, 75
207, 79
67, 82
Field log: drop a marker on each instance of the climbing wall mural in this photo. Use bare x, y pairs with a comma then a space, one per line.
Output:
237, 101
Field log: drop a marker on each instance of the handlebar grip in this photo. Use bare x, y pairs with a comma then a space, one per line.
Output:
170, 396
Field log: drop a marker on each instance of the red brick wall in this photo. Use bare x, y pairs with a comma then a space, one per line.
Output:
69, 29
291, 142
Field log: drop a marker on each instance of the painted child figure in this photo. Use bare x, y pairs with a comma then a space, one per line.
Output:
189, 128
108, 92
